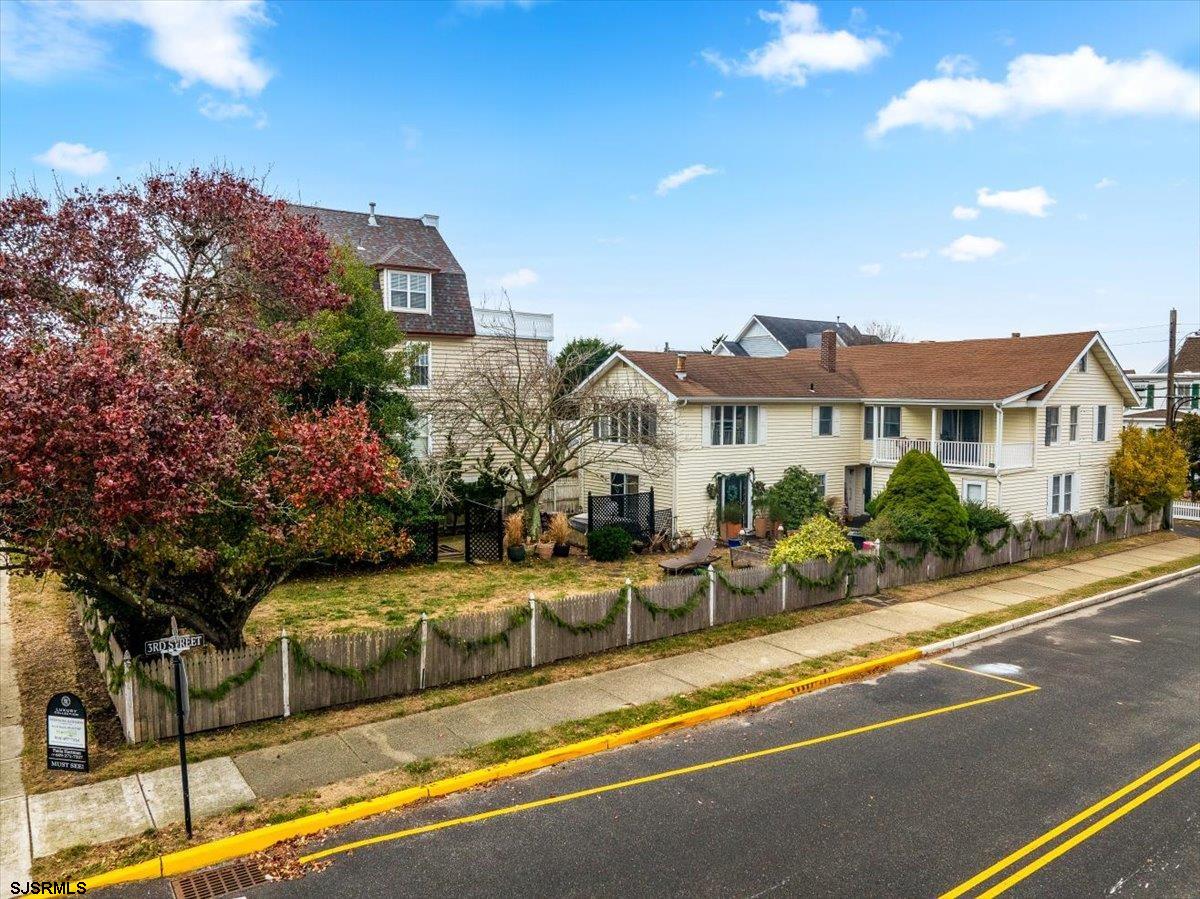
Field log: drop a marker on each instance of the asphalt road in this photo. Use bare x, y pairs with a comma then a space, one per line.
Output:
908, 785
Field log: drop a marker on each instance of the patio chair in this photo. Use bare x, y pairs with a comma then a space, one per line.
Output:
697, 558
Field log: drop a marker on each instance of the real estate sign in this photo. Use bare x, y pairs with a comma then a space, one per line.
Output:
66, 733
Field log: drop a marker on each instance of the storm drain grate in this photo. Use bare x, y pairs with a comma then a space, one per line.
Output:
218, 881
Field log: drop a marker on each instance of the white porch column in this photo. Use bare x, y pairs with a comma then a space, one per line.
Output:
999, 434
933, 431
878, 430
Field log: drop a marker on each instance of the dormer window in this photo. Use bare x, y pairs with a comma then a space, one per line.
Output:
407, 291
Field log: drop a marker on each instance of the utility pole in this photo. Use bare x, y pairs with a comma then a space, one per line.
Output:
1171, 372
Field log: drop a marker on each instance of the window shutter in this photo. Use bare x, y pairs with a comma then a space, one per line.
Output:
816, 421
706, 425
837, 418
762, 425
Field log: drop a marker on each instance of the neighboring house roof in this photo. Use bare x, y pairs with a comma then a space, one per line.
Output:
1148, 415
1187, 357
989, 370
405, 243
797, 333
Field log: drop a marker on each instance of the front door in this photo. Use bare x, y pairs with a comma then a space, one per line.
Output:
858, 489
735, 488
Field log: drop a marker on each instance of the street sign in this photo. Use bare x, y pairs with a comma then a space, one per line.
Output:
174, 644
66, 733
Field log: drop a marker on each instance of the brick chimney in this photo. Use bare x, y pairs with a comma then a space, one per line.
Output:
829, 350
681, 366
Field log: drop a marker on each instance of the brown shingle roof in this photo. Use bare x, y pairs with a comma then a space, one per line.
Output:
1187, 357
405, 243
989, 369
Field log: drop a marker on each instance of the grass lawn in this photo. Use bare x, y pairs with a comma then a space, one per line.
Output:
338, 603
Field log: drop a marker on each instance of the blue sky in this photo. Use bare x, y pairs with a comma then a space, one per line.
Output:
827, 148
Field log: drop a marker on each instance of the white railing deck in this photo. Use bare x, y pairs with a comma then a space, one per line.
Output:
507, 322
957, 453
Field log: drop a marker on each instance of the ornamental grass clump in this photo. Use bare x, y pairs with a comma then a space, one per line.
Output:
920, 505
817, 538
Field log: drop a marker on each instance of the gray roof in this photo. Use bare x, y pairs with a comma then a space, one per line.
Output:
734, 347
797, 333
407, 243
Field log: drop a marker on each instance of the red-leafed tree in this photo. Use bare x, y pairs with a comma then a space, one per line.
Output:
153, 341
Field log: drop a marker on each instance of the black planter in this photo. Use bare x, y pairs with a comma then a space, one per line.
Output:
516, 553
562, 550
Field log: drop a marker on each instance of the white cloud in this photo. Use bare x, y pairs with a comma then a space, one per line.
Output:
965, 213
870, 269
911, 255
626, 324
1027, 201
717, 95
682, 177
79, 159
1105, 183
1037, 84
802, 48
522, 277
202, 42
222, 111
956, 64
479, 7
970, 248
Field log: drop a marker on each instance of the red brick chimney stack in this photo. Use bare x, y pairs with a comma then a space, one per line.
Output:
829, 350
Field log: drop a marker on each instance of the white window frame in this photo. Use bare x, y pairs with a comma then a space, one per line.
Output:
819, 412
1082, 367
1047, 439
821, 482
868, 422
427, 353
625, 477
1062, 493
715, 426
423, 423
630, 426
968, 483
883, 421
386, 287
1101, 431
1073, 424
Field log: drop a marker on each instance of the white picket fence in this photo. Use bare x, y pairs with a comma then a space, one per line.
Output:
1186, 511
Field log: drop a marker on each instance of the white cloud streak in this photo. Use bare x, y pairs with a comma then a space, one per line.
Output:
1027, 201
913, 255
626, 324
202, 42
1105, 183
957, 64
970, 248
801, 48
682, 177
965, 213
1039, 84
522, 277
870, 270
79, 159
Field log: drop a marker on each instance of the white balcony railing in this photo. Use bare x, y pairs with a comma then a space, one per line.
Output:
509, 322
956, 453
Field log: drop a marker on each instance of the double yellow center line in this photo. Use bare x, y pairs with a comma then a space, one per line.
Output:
1175, 769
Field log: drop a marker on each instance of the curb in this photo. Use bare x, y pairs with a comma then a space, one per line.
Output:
252, 841
212, 853
1045, 614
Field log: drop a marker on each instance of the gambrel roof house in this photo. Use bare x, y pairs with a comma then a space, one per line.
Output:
1151, 411
424, 287
771, 335
1024, 423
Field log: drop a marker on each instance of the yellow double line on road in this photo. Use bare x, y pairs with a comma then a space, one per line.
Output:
1022, 689
1179, 766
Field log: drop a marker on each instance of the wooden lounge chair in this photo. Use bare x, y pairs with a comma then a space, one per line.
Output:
697, 558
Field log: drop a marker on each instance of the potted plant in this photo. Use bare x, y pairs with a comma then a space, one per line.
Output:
560, 534
733, 516
762, 504
514, 536
545, 545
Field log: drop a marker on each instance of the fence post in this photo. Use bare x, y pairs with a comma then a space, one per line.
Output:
1070, 521
127, 694
1127, 517
466, 534
628, 611
712, 596
424, 644
532, 631
783, 587
285, 665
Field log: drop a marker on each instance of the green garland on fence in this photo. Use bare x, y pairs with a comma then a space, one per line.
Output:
887, 554
770, 581
1133, 517
675, 612
306, 661
468, 647
988, 548
589, 627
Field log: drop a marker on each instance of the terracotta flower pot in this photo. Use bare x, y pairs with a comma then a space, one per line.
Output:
545, 550
731, 530
762, 526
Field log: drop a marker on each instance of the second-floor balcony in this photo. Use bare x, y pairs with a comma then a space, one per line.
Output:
510, 322
963, 454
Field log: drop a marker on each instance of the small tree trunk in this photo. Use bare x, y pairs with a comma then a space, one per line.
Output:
533, 518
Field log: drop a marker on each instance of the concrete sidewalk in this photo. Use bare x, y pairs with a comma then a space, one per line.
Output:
130, 805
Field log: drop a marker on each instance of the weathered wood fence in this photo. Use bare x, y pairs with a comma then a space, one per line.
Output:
289, 675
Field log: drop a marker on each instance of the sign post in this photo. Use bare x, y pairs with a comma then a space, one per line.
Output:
66, 733
175, 646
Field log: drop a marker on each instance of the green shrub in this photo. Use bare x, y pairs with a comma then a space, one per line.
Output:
733, 513
983, 519
920, 505
817, 538
610, 543
795, 498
